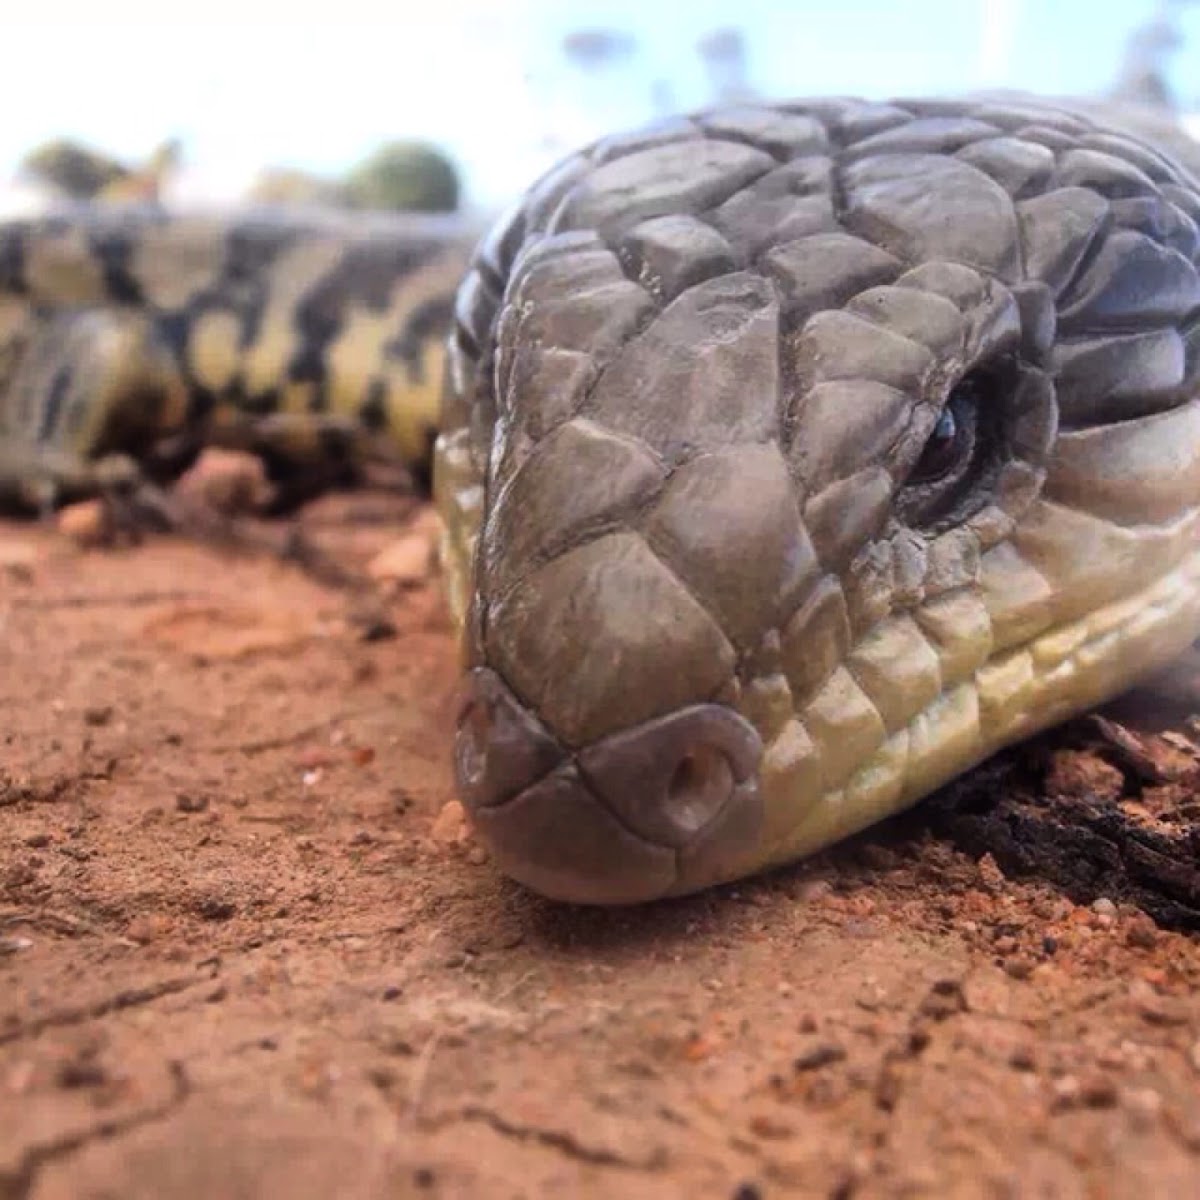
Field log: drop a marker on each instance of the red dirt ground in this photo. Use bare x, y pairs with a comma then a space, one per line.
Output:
247, 950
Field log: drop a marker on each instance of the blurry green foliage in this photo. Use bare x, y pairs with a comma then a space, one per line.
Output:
73, 168
409, 176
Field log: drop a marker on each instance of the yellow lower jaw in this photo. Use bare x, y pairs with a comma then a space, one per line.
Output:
1064, 671
458, 495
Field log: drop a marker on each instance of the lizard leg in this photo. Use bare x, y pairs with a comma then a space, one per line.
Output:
88, 398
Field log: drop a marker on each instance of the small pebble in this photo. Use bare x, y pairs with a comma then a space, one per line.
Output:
17, 560
312, 757
449, 822
86, 523
814, 890
747, 1191
407, 561
1022, 1058
820, 1055
1145, 1102
1019, 967
1098, 1091
1142, 933
1104, 907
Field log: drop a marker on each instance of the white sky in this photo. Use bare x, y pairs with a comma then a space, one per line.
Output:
260, 82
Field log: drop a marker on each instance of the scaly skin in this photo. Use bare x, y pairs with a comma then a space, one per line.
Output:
724, 601
130, 339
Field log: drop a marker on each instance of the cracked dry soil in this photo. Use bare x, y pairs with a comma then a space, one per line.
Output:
247, 950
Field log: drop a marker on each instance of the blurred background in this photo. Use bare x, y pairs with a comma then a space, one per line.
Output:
458, 104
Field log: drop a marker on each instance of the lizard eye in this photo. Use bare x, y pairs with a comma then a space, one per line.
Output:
955, 454
941, 450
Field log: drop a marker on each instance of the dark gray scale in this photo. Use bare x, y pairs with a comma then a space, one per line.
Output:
824, 271
670, 385
847, 514
1104, 172
784, 135
1058, 230
1042, 134
569, 337
678, 177
922, 317
728, 525
1131, 282
661, 133
1159, 219
1184, 198
1015, 117
838, 424
842, 345
1020, 168
849, 121
1039, 320
499, 248
929, 135
668, 255
660, 646
474, 310
1106, 379
791, 202
544, 509
547, 195
924, 108
815, 639
1154, 166
540, 248
547, 280
900, 201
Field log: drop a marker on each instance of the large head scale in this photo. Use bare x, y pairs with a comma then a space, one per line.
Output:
799, 457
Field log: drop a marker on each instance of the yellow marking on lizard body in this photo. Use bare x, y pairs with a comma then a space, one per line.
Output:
215, 306
265, 362
176, 260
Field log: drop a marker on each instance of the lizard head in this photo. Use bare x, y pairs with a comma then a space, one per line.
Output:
799, 457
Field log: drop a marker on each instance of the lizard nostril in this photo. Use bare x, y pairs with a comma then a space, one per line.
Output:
700, 784
670, 780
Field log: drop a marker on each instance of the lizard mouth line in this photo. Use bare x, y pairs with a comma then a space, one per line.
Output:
605, 826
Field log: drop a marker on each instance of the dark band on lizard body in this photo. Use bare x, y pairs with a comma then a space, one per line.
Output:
130, 339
